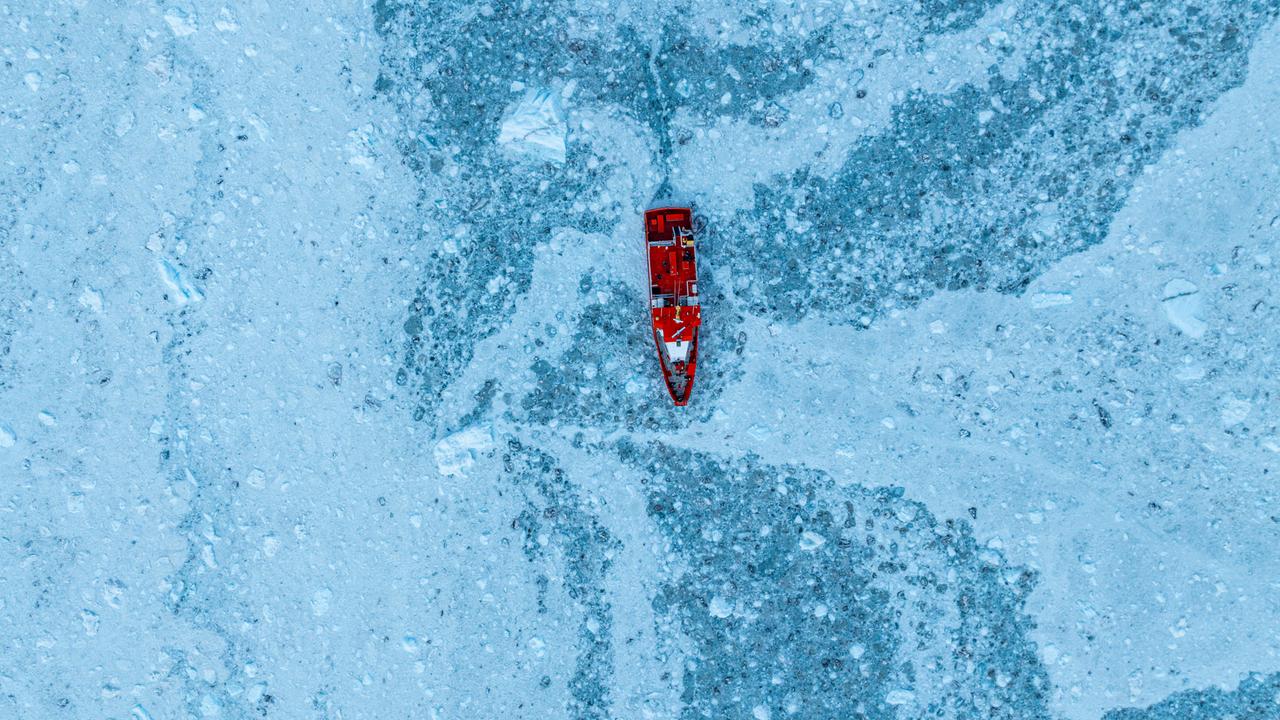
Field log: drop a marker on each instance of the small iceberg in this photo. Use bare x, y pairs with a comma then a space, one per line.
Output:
1043, 300
1182, 307
456, 454
181, 290
535, 126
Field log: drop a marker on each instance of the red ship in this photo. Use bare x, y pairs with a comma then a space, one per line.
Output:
673, 296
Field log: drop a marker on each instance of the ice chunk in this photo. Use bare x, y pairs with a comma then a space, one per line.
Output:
535, 126
810, 541
113, 593
7, 436
321, 601
181, 290
457, 453
1234, 411
210, 707
1181, 302
90, 620
900, 697
1190, 373
124, 123
1042, 300
720, 607
179, 25
91, 299
760, 712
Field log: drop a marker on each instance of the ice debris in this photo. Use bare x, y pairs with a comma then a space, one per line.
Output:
720, 607
900, 697
810, 541
1182, 306
1043, 300
456, 453
321, 601
91, 299
535, 126
181, 290
1234, 411
179, 25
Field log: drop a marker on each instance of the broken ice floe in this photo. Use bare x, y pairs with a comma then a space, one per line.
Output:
1042, 300
321, 602
91, 299
810, 541
181, 290
179, 24
535, 126
720, 607
456, 454
1182, 307
900, 697
1235, 410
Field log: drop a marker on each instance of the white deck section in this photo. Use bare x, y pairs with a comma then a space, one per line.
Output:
678, 350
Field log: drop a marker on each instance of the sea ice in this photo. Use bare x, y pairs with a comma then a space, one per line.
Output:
181, 290
1234, 411
1181, 302
900, 697
720, 607
535, 126
91, 299
1042, 300
321, 601
233, 513
810, 541
458, 452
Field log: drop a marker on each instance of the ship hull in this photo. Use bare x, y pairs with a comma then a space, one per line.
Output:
674, 309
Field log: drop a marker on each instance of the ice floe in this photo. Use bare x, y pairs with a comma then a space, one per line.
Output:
457, 453
1182, 306
535, 126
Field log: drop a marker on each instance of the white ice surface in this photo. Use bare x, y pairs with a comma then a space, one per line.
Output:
457, 453
535, 126
1146, 534
303, 566
1182, 306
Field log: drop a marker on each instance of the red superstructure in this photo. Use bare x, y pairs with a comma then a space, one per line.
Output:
673, 296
